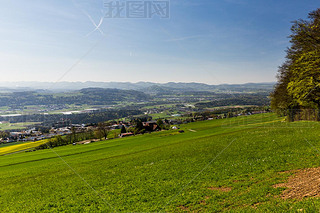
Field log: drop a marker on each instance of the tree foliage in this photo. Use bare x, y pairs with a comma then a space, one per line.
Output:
298, 87
123, 129
103, 130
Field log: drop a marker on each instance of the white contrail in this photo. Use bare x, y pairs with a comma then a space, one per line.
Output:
97, 26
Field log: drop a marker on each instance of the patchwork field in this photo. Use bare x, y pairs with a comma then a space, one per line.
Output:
237, 165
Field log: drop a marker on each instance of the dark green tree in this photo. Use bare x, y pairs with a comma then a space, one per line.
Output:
160, 123
123, 129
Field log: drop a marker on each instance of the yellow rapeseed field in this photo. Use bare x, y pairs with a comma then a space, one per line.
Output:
21, 147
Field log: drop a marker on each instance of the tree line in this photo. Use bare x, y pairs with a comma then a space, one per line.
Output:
81, 118
297, 92
101, 131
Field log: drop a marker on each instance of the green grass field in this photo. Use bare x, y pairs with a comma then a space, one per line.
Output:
221, 165
10, 126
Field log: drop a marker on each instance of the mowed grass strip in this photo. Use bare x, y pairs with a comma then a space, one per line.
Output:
164, 171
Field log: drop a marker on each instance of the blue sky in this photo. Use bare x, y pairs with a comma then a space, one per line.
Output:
214, 42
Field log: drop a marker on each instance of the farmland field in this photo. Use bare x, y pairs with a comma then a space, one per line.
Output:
10, 148
10, 126
220, 165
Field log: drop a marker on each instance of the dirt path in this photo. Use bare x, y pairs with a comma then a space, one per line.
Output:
304, 183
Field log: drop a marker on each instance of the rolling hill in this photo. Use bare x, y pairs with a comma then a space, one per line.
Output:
221, 165
140, 86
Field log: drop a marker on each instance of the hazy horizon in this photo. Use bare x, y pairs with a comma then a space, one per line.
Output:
131, 82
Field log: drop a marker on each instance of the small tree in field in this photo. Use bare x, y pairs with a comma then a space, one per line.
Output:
123, 129
103, 129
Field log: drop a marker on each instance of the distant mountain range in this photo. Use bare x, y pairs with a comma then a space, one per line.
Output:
147, 87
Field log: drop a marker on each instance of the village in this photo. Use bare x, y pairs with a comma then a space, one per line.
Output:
124, 128
119, 129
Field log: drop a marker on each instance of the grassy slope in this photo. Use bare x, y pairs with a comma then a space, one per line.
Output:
167, 171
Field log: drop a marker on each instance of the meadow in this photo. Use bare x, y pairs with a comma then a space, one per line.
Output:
10, 126
226, 165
